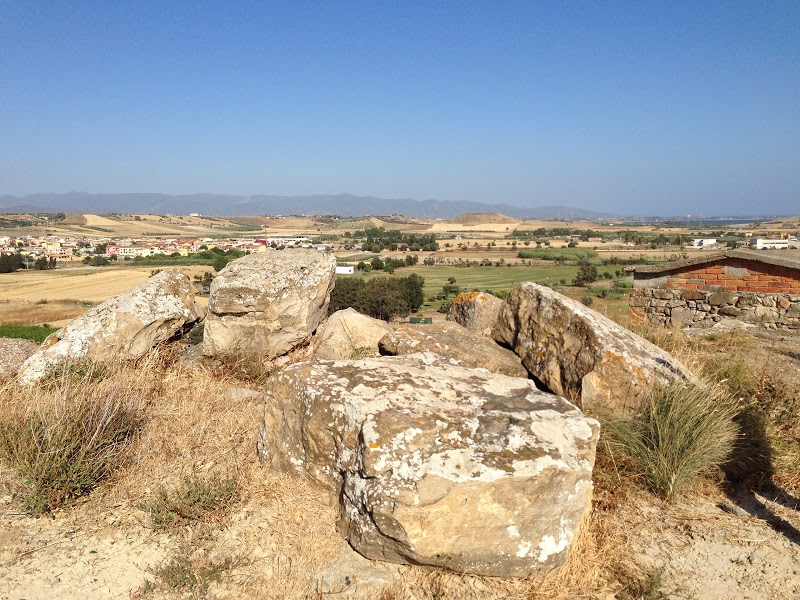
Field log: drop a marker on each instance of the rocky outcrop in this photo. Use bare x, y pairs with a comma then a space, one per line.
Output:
349, 334
125, 326
14, 352
434, 463
451, 340
477, 311
268, 303
353, 576
579, 353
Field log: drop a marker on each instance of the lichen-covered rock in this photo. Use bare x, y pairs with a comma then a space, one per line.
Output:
434, 463
579, 353
349, 334
126, 326
14, 352
451, 340
477, 311
268, 303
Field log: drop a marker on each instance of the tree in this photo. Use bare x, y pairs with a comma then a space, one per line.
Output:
587, 273
381, 298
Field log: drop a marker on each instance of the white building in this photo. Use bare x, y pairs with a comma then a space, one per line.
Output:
345, 270
760, 243
704, 242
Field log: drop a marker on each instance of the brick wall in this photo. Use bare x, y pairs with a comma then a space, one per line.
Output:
736, 275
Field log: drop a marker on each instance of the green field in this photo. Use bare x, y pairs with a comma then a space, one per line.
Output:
483, 278
28, 332
504, 278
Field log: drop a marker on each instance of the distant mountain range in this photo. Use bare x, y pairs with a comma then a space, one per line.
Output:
345, 205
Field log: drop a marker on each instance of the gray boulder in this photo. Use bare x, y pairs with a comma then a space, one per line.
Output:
268, 303
434, 463
126, 326
476, 311
580, 354
451, 340
349, 334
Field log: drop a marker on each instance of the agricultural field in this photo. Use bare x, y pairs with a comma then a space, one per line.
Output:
55, 297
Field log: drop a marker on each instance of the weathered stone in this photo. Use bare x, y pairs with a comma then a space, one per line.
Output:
730, 311
765, 314
793, 312
125, 326
14, 352
783, 303
681, 317
353, 576
693, 295
268, 303
435, 463
746, 302
451, 340
662, 294
349, 334
638, 301
476, 311
720, 298
579, 353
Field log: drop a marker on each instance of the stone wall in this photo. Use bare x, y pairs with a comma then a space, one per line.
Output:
701, 308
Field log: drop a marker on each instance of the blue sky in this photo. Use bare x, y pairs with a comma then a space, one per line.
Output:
630, 107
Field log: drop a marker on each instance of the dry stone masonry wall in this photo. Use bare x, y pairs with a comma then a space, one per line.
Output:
701, 308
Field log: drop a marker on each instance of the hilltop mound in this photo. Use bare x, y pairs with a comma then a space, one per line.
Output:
481, 218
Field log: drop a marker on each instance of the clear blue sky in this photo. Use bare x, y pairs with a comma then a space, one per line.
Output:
635, 107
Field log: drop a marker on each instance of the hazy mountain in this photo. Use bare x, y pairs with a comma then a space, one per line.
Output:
346, 205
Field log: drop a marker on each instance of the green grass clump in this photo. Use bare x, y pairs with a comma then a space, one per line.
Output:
194, 500
679, 433
63, 449
27, 332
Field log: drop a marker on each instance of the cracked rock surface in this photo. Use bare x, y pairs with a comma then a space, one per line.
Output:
434, 463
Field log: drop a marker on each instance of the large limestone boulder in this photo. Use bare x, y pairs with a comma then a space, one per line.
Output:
125, 326
349, 334
13, 353
434, 463
579, 353
451, 340
477, 311
268, 303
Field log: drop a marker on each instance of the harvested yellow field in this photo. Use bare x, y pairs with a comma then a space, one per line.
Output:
90, 284
449, 226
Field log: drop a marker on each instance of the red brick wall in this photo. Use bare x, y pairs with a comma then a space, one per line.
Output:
761, 277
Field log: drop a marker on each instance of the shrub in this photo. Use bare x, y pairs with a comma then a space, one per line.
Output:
194, 500
63, 449
678, 433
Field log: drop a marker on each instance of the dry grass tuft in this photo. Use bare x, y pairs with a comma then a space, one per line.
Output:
66, 437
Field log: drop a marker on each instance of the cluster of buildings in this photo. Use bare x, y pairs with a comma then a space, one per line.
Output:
73, 250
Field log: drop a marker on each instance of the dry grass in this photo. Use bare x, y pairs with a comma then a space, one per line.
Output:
66, 436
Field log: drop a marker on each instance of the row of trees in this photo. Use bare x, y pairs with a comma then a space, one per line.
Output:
378, 238
14, 262
380, 298
387, 264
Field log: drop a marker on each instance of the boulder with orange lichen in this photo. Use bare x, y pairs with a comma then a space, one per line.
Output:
477, 311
